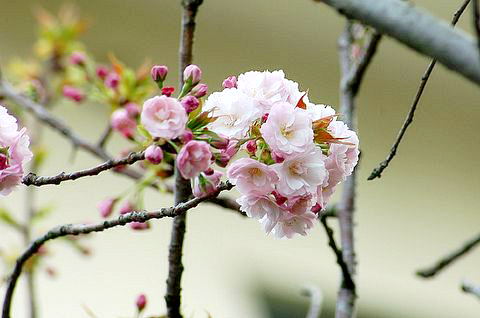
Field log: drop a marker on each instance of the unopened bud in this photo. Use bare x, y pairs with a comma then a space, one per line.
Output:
154, 154
168, 90
190, 103
199, 90
139, 225
186, 136
112, 80
193, 73
102, 72
159, 72
78, 58
106, 207
252, 147
73, 93
126, 207
141, 302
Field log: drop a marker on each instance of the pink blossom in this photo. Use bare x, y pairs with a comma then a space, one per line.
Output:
73, 93
319, 111
301, 204
141, 302
190, 103
234, 110
159, 72
301, 174
268, 88
193, 158
186, 136
230, 82
192, 73
288, 130
133, 109
290, 224
112, 80
251, 146
14, 152
164, 117
154, 154
123, 123
252, 177
106, 207
78, 58
204, 185
199, 90
261, 207
102, 72
347, 149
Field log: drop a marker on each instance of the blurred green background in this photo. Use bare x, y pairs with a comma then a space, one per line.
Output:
425, 204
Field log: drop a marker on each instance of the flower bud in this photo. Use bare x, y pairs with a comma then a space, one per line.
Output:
159, 73
264, 117
132, 109
141, 302
204, 184
316, 208
168, 90
193, 73
73, 93
154, 154
277, 158
199, 90
126, 207
230, 82
219, 141
252, 147
78, 58
139, 225
186, 136
232, 148
222, 159
190, 103
123, 123
101, 71
112, 80
106, 207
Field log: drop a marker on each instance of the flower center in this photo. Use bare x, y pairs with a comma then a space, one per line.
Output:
3, 160
255, 172
296, 168
287, 132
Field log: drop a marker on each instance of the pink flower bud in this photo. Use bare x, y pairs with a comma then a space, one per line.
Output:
219, 142
192, 72
277, 158
316, 208
264, 117
78, 58
204, 185
154, 154
199, 90
126, 207
190, 103
252, 147
139, 225
102, 72
141, 302
186, 136
168, 90
112, 80
159, 72
73, 93
132, 109
209, 171
123, 123
230, 82
222, 159
106, 207
232, 148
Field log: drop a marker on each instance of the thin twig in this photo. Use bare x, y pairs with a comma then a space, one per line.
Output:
347, 280
104, 138
448, 259
33, 179
471, 289
476, 22
76, 229
183, 188
316, 299
376, 173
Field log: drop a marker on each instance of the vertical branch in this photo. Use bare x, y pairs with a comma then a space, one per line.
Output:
182, 189
352, 71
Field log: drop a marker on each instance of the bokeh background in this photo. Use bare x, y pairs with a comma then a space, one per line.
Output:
425, 204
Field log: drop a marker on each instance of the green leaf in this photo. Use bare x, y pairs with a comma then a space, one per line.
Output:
6, 218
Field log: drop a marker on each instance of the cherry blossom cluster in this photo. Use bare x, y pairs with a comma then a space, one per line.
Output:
298, 152
14, 152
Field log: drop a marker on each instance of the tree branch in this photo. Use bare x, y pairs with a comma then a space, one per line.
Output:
417, 29
347, 280
104, 137
377, 172
33, 179
448, 259
471, 289
76, 229
182, 190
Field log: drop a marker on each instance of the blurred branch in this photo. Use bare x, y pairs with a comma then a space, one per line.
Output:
33, 179
376, 173
76, 229
417, 29
448, 259
352, 72
182, 190
105, 136
471, 289
476, 23
316, 299
347, 280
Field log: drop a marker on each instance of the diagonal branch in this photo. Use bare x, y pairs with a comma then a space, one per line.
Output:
469, 288
32, 179
76, 229
417, 29
376, 173
448, 259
